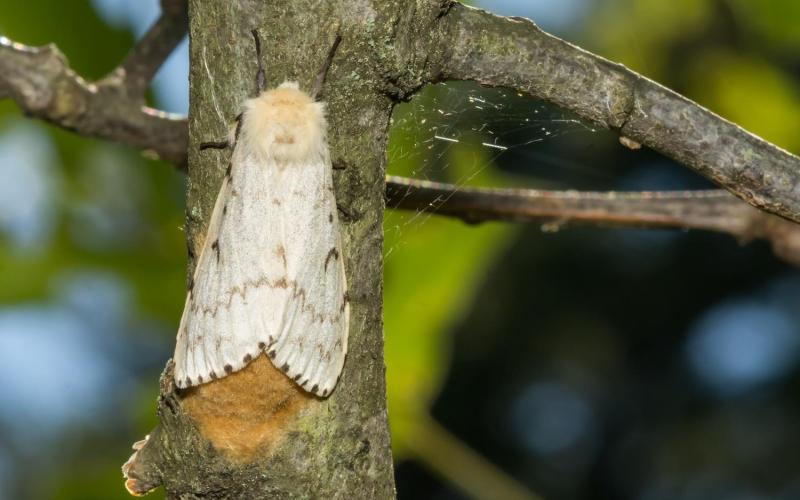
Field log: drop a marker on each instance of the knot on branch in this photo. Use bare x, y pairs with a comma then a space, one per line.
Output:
138, 474
30, 75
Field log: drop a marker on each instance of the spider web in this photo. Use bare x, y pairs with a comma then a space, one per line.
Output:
468, 135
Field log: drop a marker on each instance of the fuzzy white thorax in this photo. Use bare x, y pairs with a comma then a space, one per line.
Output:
284, 125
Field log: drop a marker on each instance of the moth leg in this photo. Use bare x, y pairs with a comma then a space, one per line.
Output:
214, 145
261, 78
323, 72
347, 214
233, 136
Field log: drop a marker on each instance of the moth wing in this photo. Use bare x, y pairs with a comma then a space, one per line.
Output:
266, 279
312, 343
234, 307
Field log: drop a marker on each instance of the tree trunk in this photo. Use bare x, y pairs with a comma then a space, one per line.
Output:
255, 434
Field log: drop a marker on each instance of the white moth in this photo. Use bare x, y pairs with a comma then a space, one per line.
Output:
270, 278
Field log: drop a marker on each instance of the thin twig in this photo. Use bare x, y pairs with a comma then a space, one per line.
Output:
713, 210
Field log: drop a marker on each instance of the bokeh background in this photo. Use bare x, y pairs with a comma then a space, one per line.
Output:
575, 363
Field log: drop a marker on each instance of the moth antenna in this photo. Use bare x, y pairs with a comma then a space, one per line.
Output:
261, 78
323, 72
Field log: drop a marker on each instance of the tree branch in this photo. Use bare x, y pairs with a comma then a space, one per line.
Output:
143, 61
713, 210
515, 53
42, 84
40, 80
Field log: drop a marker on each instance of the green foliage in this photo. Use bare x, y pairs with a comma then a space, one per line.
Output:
74, 27
729, 56
433, 266
147, 251
773, 22
636, 32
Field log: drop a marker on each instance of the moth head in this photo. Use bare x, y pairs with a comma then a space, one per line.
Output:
284, 124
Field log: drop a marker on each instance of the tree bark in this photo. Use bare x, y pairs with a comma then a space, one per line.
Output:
255, 434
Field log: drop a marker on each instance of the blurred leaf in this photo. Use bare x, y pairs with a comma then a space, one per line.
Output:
433, 267
97, 481
637, 32
773, 21
74, 26
140, 204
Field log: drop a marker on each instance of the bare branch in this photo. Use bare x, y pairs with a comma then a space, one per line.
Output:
715, 210
515, 53
143, 61
40, 80
42, 84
